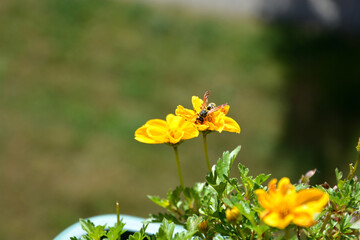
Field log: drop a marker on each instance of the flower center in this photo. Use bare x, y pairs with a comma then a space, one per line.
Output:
284, 210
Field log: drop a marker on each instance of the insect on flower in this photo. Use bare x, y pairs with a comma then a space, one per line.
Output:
206, 111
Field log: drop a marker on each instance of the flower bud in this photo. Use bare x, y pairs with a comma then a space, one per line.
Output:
203, 226
232, 215
358, 146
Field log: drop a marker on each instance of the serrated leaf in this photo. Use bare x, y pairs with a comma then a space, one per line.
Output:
211, 177
141, 234
193, 222
243, 170
161, 216
98, 232
224, 164
159, 201
115, 232
165, 231
261, 178
87, 225
338, 174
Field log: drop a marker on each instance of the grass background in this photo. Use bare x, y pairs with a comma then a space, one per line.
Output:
77, 78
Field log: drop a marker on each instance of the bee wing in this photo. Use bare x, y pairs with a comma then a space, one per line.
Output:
217, 108
206, 96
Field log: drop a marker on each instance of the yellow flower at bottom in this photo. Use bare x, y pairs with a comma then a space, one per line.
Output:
172, 131
283, 205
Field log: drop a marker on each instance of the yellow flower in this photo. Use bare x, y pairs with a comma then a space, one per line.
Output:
204, 226
283, 205
215, 121
172, 131
232, 215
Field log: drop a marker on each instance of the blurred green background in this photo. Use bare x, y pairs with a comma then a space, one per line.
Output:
78, 77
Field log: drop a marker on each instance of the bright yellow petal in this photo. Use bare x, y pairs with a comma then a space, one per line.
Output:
158, 134
188, 114
231, 125
142, 136
203, 127
196, 102
272, 185
156, 123
274, 219
225, 109
264, 199
176, 137
217, 124
313, 198
190, 130
174, 122
303, 219
285, 187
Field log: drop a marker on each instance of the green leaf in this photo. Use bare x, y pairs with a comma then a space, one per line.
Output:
338, 174
193, 222
161, 216
87, 225
97, 233
224, 164
243, 170
141, 234
211, 178
165, 231
115, 232
261, 178
159, 201
355, 225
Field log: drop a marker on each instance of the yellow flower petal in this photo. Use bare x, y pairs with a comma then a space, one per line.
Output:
264, 199
231, 125
272, 185
285, 187
274, 219
304, 219
225, 109
312, 197
188, 114
197, 103
156, 123
217, 124
142, 136
190, 131
158, 134
176, 137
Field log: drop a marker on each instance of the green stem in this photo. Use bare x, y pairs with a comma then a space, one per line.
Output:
287, 233
241, 232
206, 151
118, 216
252, 235
357, 162
352, 171
325, 222
178, 167
117, 213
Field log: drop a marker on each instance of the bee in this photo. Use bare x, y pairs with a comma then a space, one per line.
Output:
207, 110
